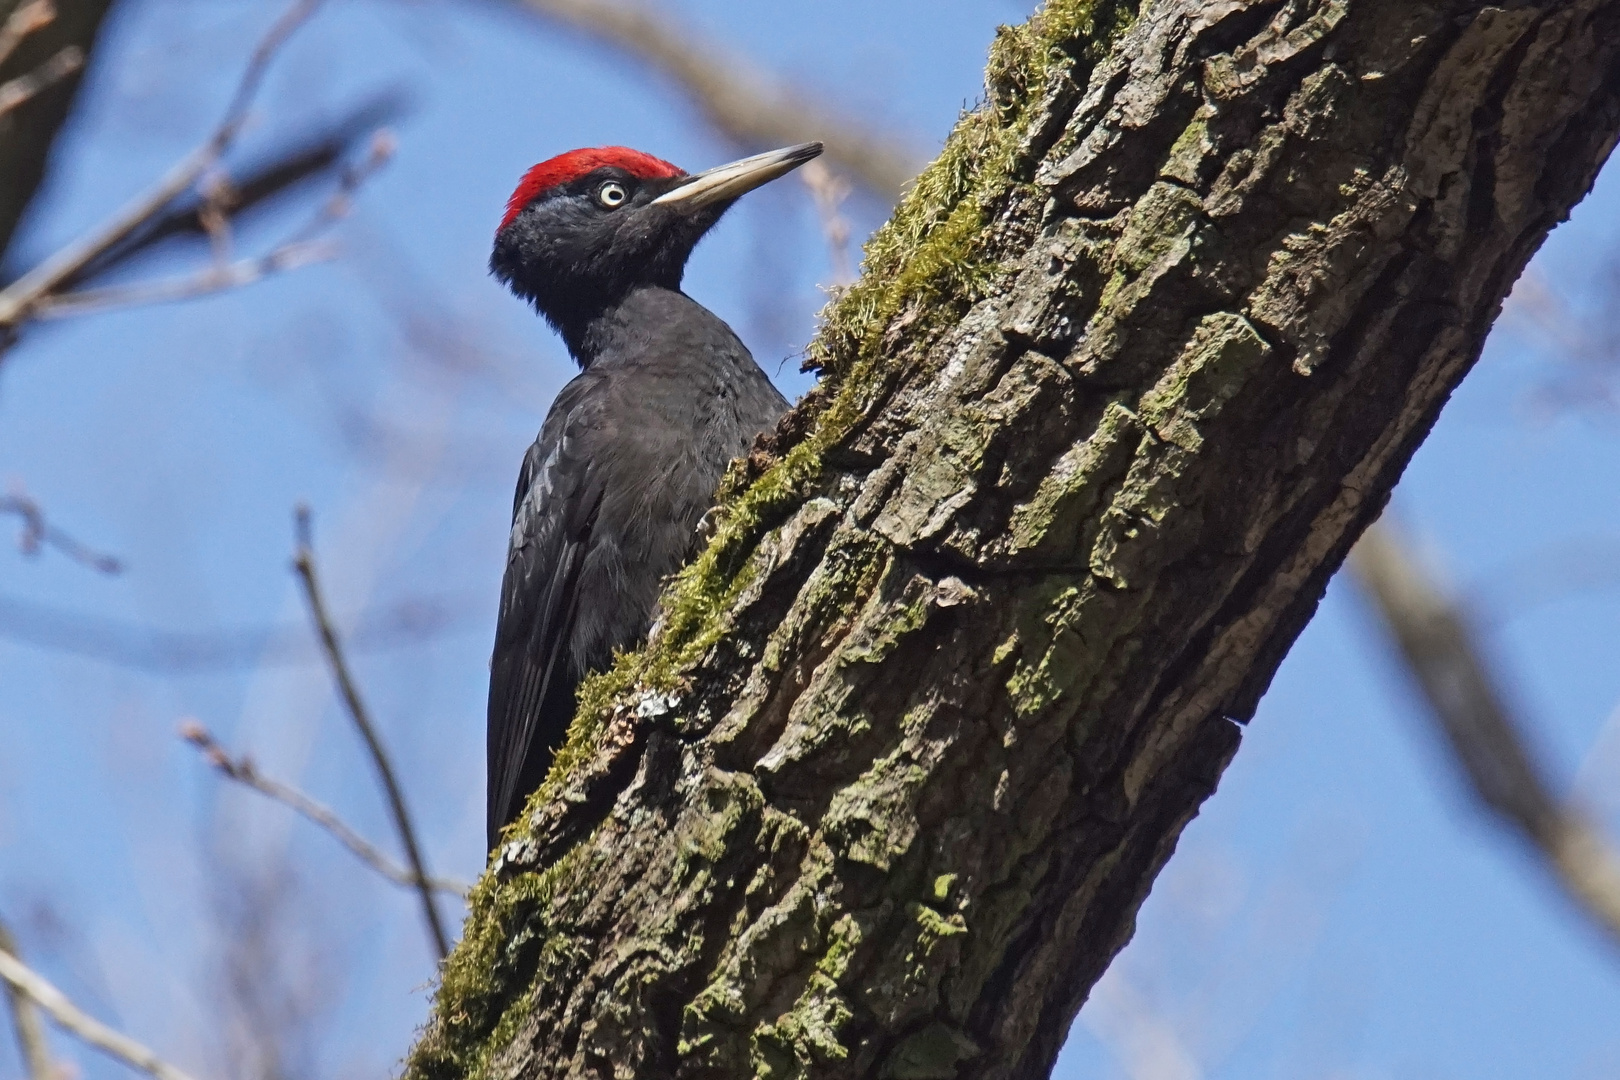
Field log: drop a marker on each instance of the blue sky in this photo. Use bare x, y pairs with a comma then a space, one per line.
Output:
1338, 910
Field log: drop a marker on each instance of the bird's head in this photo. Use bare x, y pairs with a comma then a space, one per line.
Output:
586, 227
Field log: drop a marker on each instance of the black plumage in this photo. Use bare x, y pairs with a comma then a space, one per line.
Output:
627, 462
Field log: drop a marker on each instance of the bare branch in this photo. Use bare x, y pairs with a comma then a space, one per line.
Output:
27, 18
244, 772
36, 1052
38, 532
304, 563
254, 184
1436, 641
743, 102
67, 1015
60, 65
19, 299
211, 280
215, 216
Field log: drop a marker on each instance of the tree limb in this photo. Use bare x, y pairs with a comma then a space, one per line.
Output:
205, 282
244, 772
1437, 645
56, 1005
299, 250
304, 564
829, 190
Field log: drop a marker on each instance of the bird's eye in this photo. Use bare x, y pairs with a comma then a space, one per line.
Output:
612, 194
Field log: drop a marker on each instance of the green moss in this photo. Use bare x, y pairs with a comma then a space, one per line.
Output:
1162, 220
730, 801
810, 1031
1224, 351
485, 986
871, 820
934, 927
843, 939
1039, 680
1191, 155
804, 1035
1051, 523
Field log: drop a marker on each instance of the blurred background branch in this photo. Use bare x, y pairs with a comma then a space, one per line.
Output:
411, 621
28, 982
18, 299
64, 62
256, 184
38, 533
215, 215
737, 97
25, 1022
1435, 640
828, 191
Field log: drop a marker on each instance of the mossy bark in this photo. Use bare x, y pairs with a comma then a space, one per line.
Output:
1134, 364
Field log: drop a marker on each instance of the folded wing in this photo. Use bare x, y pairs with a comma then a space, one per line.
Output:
533, 677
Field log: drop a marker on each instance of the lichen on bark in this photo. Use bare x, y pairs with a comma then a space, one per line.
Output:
1131, 367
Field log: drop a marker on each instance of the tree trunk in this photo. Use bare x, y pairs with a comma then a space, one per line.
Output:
1135, 362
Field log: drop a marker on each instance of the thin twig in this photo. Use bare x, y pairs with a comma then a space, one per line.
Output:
19, 298
740, 100
244, 772
58, 66
38, 532
252, 184
300, 250
67, 1015
25, 20
36, 1052
304, 563
1436, 641
340, 202
212, 279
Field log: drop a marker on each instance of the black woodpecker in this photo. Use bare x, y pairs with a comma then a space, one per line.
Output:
611, 493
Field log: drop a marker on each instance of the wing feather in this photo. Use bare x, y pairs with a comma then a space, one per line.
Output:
532, 677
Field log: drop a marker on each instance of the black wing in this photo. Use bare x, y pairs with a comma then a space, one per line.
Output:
532, 678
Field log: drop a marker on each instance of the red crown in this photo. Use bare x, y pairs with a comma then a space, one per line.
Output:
576, 163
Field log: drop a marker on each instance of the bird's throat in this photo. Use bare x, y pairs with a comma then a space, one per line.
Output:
628, 326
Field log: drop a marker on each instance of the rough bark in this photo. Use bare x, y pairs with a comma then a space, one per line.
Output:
1134, 364
27, 132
